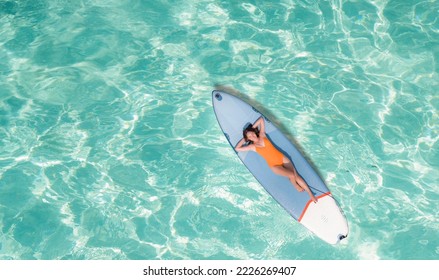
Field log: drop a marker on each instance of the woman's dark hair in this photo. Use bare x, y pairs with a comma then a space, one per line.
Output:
248, 129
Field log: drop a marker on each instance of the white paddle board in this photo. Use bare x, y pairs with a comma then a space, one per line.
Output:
324, 218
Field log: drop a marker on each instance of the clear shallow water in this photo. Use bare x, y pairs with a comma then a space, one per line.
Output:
109, 147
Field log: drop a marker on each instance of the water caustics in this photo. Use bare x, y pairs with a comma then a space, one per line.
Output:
109, 148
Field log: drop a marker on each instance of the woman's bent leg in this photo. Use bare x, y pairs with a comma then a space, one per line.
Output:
281, 170
298, 179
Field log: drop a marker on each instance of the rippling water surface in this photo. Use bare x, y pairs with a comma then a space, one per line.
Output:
109, 147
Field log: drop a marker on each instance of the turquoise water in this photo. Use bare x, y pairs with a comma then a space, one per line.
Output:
109, 147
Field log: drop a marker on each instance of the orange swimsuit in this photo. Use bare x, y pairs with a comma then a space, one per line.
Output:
272, 155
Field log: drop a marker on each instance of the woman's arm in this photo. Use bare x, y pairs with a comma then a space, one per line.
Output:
261, 124
241, 148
